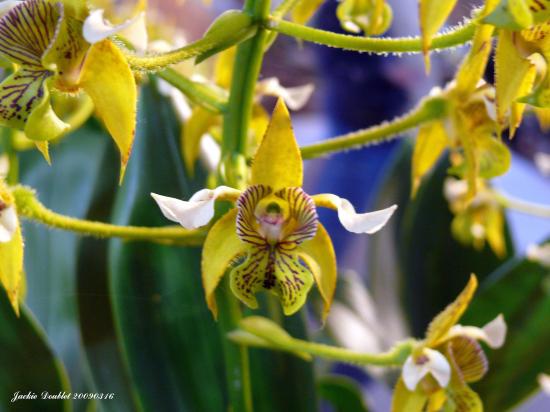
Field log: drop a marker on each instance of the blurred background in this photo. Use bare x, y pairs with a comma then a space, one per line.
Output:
130, 318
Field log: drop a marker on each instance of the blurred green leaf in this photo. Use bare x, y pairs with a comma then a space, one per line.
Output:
28, 363
343, 393
432, 266
104, 361
520, 290
169, 340
50, 255
280, 381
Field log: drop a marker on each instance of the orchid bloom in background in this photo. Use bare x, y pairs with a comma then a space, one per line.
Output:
11, 248
55, 48
272, 240
439, 370
476, 221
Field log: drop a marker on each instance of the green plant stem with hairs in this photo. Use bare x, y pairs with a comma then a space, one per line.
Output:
378, 45
29, 207
429, 109
248, 61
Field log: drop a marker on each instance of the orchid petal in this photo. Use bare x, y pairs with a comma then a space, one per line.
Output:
468, 359
96, 28
195, 212
429, 361
406, 400
8, 223
413, 373
493, 333
318, 254
544, 382
220, 248
7, 5
108, 80
294, 97
539, 254
370, 222
440, 326
278, 162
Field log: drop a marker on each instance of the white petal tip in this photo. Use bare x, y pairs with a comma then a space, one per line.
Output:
8, 223
369, 223
495, 332
96, 28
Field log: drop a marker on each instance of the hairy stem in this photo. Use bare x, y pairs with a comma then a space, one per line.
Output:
429, 109
199, 93
379, 45
29, 207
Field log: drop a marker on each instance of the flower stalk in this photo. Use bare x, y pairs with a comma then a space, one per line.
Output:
429, 109
29, 207
455, 37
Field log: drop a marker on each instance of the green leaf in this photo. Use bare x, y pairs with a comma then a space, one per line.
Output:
98, 332
169, 341
28, 363
342, 393
520, 290
431, 266
50, 255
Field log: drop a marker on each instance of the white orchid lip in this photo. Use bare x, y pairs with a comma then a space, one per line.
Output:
8, 222
429, 362
96, 28
370, 222
493, 333
195, 212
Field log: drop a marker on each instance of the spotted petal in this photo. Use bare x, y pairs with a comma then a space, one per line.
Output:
198, 210
370, 222
275, 270
468, 358
27, 31
25, 104
278, 162
220, 248
428, 362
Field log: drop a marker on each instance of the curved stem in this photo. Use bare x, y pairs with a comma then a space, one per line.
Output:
454, 37
199, 93
394, 357
429, 109
29, 207
159, 61
522, 206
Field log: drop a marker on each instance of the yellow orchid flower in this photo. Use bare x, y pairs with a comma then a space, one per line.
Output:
11, 249
56, 48
437, 374
272, 240
469, 132
521, 60
372, 17
479, 220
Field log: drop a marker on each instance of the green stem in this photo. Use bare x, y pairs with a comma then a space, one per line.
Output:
29, 207
199, 93
246, 70
523, 206
394, 357
429, 109
380, 45
159, 61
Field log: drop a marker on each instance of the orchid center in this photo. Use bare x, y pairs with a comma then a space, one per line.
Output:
272, 214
